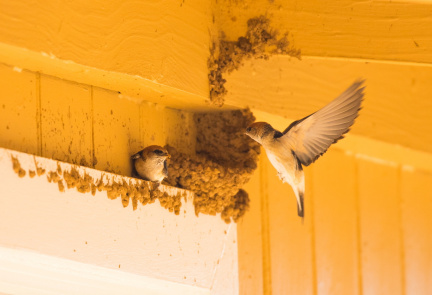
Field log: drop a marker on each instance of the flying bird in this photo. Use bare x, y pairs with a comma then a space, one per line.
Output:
151, 163
305, 140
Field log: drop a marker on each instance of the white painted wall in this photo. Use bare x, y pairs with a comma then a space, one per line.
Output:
77, 239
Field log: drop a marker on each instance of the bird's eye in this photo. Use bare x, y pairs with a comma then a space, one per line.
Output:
249, 129
158, 152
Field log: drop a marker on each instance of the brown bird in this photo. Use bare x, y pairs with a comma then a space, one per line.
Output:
151, 163
305, 140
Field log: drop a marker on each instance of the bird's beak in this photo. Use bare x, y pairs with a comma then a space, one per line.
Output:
167, 155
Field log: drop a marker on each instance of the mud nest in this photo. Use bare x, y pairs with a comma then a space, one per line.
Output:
137, 191
259, 42
225, 160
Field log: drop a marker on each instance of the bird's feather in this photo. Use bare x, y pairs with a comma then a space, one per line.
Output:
290, 170
311, 136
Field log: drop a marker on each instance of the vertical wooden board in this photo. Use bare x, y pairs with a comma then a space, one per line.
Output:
66, 121
116, 131
416, 191
152, 117
335, 221
379, 228
292, 262
18, 110
249, 235
179, 127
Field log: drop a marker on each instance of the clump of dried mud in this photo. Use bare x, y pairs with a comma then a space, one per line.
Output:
137, 191
259, 42
225, 160
16, 166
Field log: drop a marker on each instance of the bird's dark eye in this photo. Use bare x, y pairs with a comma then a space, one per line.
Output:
158, 152
249, 129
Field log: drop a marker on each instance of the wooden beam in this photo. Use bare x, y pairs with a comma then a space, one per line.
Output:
146, 50
28, 272
382, 30
164, 41
128, 86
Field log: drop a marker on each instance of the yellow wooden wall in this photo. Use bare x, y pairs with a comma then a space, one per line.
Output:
83, 124
367, 230
368, 224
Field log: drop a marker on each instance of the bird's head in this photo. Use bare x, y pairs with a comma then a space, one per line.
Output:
259, 131
153, 152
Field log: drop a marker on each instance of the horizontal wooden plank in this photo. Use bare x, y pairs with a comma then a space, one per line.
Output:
163, 41
27, 272
382, 30
96, 230
397, 107
130, 86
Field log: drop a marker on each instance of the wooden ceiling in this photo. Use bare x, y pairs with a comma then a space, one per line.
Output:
158, 51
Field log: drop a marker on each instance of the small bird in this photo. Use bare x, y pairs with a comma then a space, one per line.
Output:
151, 163
305, 140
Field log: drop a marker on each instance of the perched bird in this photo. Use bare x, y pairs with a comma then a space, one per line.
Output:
151, 163
305, 140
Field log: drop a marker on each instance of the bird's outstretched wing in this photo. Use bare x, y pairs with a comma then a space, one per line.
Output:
311, 136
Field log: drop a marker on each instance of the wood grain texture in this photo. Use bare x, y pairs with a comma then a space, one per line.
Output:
292, 261
381, 259
397, 107
66, 121
163, 41
416, 193
335, 218
18, 110
382, 30
250, 235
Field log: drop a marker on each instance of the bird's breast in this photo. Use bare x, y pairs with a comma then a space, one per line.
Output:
150, 170
284, 162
